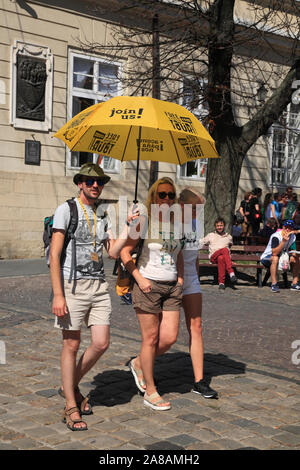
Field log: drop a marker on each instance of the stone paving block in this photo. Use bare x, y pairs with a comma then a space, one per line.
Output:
129, 446
51, 392
45, 418
20, 425
288, 439
259, 443
236, 433
5, 399
183, 440
103, 442
293, 429
40, 432
73, 445
57, 439
178, 426
203, 435
247, 423
218, 427
107, 426
181, 403
227, 444
197, 445
163, 445
7, 446
193, 418
9, 434
164, 432
128, 435
26, 443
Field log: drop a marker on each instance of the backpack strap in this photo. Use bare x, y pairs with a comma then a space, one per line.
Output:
70, 237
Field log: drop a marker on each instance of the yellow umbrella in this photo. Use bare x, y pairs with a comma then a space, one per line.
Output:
139, 128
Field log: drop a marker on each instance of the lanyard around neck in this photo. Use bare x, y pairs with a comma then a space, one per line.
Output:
89, 222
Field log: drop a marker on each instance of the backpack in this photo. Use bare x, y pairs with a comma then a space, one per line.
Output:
48, 231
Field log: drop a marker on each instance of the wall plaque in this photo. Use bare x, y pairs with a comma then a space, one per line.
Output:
32, 87
32, 152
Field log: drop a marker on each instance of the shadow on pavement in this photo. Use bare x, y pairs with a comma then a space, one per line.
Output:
173, 374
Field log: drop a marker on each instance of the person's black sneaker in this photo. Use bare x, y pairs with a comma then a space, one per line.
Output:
221, 286
204, 389
233, 279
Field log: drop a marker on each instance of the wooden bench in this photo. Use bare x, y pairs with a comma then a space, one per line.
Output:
243, 257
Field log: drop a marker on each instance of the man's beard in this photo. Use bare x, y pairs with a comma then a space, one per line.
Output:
90, 196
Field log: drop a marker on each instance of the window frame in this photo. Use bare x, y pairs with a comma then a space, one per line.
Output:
93, 94
198, 112
288, 129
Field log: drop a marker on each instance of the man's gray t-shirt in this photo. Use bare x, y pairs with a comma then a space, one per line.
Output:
86, 267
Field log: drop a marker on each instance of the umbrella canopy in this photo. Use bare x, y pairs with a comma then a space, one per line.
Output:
139, 128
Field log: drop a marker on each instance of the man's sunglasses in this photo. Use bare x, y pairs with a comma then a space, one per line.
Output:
90, 182
163, 195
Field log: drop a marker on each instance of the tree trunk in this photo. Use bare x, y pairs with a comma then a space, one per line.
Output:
222, 182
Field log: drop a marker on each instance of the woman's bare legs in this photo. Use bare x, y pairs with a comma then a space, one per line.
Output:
159, 332
192, 305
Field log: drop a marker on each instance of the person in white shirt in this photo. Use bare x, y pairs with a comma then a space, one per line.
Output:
282, 240
157, 291
90, 301
219, 243
192, 295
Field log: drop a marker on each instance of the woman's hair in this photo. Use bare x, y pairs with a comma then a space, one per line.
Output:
268, 199
191, 196
151, 198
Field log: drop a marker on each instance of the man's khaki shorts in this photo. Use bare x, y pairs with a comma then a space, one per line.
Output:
90, 304
164, 296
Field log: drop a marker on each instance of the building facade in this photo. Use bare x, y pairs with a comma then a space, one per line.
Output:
46, 77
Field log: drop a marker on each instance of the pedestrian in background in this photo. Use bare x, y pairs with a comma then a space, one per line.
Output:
245, 211
255, 211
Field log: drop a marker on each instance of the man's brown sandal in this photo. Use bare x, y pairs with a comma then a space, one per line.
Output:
80, 403
71, 423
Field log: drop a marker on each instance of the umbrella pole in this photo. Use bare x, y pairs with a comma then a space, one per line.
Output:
137, 166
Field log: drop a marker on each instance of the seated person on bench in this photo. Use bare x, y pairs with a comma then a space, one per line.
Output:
282, 240
219, 243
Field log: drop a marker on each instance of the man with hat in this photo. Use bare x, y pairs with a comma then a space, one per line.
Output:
90, 300
282, 240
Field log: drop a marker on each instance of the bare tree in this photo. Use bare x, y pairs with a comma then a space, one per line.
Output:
234, 49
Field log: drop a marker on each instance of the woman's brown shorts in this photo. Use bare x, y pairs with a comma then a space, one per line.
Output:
163, 296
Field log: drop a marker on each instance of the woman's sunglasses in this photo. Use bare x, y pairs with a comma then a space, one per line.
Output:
163, 195
90, 182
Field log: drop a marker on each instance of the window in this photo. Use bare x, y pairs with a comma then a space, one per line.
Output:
92, 80
285, 155
192, 99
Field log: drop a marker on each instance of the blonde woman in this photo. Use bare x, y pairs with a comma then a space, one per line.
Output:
157, 292
192, 296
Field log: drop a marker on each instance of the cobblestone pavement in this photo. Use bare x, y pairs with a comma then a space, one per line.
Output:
248, 335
